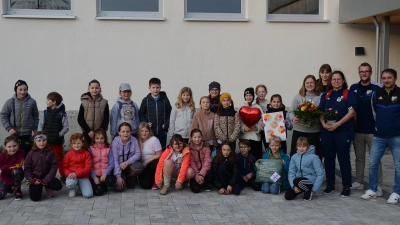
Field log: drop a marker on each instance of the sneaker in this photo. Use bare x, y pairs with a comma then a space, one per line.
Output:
369, 194
155, 186
50, 192
308, 195
357, 186
329, 189
393, 199
18, 196
164, 190
72, 193
345, 193
379, 192
206, 187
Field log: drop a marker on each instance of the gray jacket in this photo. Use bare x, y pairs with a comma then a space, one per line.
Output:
21, 115
315, 125
180, 121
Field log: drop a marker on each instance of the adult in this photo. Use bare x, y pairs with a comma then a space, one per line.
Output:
386, 104
365, 123
214, 88
336, 137
323, 82
307, 92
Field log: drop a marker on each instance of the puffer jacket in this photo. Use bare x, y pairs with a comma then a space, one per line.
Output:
285, 168
233, 172
129, 152
200, 160
227, 125
78, 162
20, 114
54, 124
307, 165
93, 113
102, 160
204, 120
254, 135
180, 121
157, 112
40, 165
167, 154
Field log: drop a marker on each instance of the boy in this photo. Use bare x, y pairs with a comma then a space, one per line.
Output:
54, 123
247, 166
155, 110
124, 110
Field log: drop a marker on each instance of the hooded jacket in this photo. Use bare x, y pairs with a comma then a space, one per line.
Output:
124, 152
315, 125
124, 112
227, 125
93, 113
78, 162
204, 120
8, 163
55, 125
285, 168
157, 112
40, 165
20, 114
232, 171
167, 154
180, 121
200, 160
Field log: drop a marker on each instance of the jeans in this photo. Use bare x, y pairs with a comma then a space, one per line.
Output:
378, 149
272, 188
84, 184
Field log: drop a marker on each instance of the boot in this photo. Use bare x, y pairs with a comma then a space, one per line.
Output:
164, 190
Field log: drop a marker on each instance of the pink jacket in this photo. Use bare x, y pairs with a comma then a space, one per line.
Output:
100, 156
200, 160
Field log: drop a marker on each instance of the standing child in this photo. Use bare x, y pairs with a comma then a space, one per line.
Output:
156, 110
41, 168
261, 92
11, 173
305, 171
54, 122
103, 162
214, 88
77, 166
226, 170
93, 112
247, 166
182, 114
20, 115
277, 106
325, 72
124, 110
226, 121
200, 162
174, 162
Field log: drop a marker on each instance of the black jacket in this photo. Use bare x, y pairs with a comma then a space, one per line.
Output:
232, 172
156, 112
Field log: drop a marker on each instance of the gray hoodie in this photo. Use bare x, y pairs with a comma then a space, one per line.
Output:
315, 125
124, 112
21, 115
180, 121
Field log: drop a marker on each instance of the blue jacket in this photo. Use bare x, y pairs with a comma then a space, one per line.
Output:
307, 165
387, 111
157, 112
246, 164
285, 168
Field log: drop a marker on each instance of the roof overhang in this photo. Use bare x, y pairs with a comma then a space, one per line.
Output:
362, 11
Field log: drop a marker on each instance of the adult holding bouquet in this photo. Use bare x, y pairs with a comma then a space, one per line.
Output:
306, 123
337, 135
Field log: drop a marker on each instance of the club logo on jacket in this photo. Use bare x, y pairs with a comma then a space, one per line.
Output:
339, 99
369, 92
380, 98
394, 99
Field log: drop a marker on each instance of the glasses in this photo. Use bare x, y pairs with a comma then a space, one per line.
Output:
364, 72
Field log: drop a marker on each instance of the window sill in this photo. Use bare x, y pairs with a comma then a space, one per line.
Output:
40, 17
129, 18
217, 19
297, 21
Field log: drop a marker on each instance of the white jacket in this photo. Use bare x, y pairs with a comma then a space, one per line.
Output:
180, 121
254, 134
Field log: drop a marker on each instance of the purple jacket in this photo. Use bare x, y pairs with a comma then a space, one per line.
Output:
129, 152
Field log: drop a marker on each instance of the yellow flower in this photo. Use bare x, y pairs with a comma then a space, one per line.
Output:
303, 108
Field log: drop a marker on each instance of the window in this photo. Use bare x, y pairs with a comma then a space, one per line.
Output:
215, 10
130, 9
39, 8
295, 10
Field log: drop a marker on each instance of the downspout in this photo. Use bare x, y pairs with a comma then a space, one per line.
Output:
377, 50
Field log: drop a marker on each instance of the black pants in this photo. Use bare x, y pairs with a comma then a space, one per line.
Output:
208, 179
100, 189
88, 139
224, 178
256, 149
129, 175
313, 139
252, 183
35, 191
25, 143
146, 178
301, 182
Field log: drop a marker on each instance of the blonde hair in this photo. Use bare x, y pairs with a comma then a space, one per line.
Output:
258, 87
302, 141
139, 137
179, 103
201, 99
275, 139
303, 90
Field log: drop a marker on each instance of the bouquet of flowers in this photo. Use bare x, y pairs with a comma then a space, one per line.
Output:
306, 112
330, 115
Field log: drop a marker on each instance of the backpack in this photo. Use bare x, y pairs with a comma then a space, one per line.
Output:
345, 94
120, 107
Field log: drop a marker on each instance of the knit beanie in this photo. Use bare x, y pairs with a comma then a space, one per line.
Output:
19, 83
249, 90
225, 95
214, 84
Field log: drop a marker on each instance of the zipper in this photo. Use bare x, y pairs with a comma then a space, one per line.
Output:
156, 114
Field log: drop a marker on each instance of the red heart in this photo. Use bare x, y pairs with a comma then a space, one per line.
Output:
249, 116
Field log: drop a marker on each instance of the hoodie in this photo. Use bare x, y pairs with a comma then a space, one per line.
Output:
315, 125
124, 112
157, 111
124, 152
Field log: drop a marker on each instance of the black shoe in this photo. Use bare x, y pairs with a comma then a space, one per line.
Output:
206, 187
345, 193
63, 179
308, 195
329, 189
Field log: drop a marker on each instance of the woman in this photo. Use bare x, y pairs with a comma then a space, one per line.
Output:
308, 92
323, 82
336, 137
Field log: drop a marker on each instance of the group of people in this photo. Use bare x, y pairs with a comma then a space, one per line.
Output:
202, 149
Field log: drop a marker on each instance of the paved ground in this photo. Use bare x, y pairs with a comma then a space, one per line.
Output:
182, 207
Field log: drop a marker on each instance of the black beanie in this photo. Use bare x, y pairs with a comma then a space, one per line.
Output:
19, 83
249, 90
214, 84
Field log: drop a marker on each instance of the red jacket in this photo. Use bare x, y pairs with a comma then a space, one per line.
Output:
40, 165
8, 163
200, 160
78, 162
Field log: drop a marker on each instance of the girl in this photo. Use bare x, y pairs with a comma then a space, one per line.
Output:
261, 92
226, 121
93, 112
204, 120
324, 74
126, 154
11, 173
214, 88
200, 162
277, 106
252, 133
20, 115
41, 168
103, 162
151, 150
182, 114
77, 166
305, 171
226, 170
174, 162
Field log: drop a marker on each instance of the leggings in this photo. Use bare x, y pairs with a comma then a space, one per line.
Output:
146, 178
35, 191
17, 175
208, 179
129, 174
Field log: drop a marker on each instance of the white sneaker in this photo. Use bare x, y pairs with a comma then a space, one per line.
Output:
379, 192
368, 194
393, 199
357, 186
72, 193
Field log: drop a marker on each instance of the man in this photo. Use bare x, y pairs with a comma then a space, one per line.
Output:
365, 127
386, 104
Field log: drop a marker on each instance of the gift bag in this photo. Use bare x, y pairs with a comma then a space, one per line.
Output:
268, 168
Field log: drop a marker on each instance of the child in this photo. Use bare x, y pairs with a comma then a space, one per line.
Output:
305, 171
11, 173
226, 120
182, 114
126, 153
226, 170
77, 166
275, 152
204, 120
20, 115
124, 110
261, 92
103, 162
214, 88
247, 166
41, 168
323, 82
156, 110
252, 133
93, 112
277, 106
174, 162
54, 122
200, 162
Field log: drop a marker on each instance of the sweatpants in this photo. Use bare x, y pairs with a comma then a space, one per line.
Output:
35, 191
146, 178
58, 150
224, 177
208, 179
252, 183
301, 182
